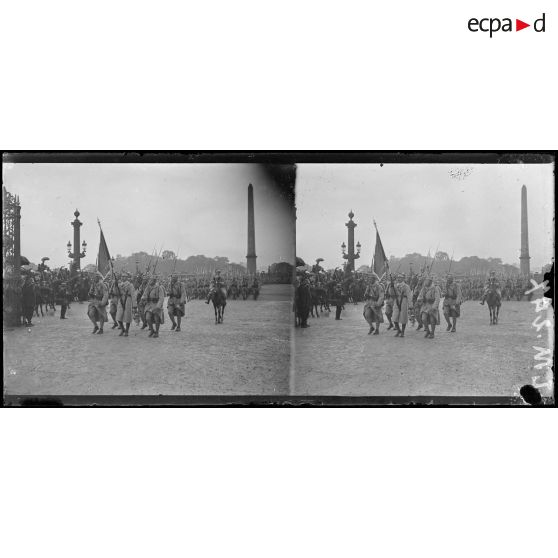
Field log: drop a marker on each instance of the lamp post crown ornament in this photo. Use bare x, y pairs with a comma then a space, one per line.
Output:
351, 214
76, 213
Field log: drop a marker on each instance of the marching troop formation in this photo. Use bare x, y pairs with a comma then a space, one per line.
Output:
123, 298
397, 298
142, 299
415, 299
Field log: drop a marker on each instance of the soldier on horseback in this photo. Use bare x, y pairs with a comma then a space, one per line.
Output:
216, 283
492, 285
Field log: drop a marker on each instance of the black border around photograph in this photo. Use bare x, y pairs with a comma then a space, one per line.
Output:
284, 158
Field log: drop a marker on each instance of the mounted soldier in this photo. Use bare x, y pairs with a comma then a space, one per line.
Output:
216, 283
492, 284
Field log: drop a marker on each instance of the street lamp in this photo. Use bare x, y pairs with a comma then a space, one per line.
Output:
76, 255
350, 254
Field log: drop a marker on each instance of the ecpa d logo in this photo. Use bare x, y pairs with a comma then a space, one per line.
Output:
493, 25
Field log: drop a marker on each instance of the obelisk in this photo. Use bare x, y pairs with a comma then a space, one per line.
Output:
524, 257
251, 255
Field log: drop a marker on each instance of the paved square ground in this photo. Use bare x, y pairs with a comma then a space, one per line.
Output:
249, 354
340, 358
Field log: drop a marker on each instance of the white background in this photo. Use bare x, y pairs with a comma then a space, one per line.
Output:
289, 75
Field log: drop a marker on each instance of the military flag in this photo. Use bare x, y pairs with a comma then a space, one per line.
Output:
380, 263
103, 257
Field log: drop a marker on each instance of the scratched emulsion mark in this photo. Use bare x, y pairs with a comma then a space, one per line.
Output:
460, 173
543, 324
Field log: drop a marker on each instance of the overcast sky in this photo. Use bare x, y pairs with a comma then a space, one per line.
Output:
194, 208
471, 210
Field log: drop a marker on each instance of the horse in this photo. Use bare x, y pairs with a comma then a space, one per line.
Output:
314, 302
233, 291
219, 299
494, 303
244, 292
322, 299
43, 296
39, 301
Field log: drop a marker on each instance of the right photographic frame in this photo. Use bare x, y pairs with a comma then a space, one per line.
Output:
425, 278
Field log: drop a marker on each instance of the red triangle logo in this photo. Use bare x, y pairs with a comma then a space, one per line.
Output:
519, 25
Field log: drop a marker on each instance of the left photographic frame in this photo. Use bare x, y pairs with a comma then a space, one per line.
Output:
146, 278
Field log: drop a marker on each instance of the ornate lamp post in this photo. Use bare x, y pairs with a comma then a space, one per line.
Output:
76, 255
350, 255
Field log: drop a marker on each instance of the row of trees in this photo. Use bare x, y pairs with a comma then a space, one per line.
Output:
469, 265
192, 265
167, 263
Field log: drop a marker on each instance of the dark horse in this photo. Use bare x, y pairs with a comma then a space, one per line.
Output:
493, 302
219, 299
